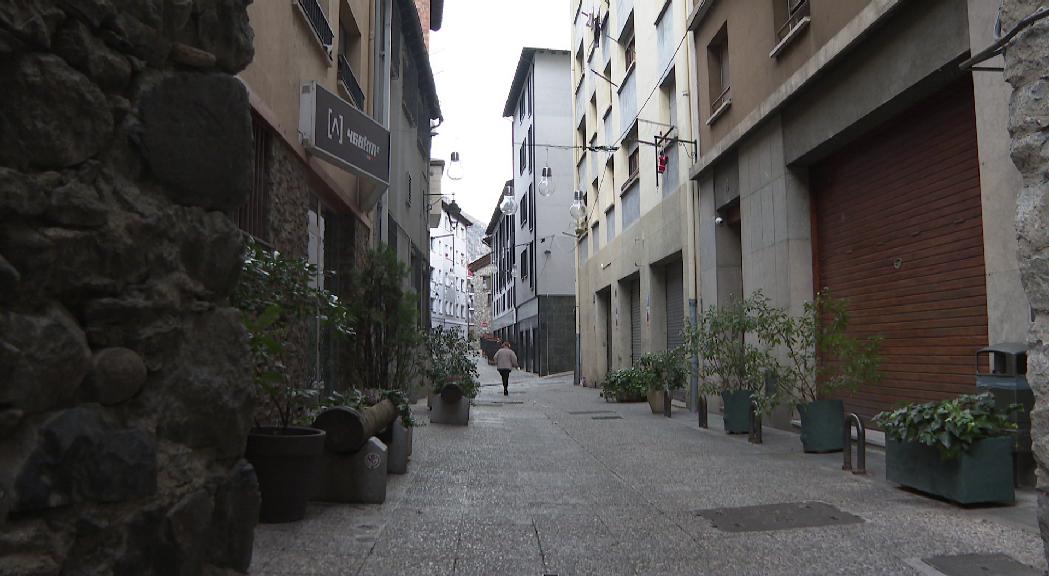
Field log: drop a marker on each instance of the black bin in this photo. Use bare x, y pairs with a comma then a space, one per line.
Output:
1002, 370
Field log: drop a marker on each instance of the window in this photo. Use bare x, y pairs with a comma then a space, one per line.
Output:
719, 79
524, 263
524, 207
523, 155
634, 163
595, 237
408, 196
610, 225
631, 202
790, 18
629, 55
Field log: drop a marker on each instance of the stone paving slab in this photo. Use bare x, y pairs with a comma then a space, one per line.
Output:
532, 489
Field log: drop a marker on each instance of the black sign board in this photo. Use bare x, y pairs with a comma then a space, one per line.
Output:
337, 131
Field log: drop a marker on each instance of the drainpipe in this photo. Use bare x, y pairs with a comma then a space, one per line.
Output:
691, 226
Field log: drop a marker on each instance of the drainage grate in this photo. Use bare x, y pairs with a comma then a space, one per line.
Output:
980, 565
787, 516
606, 417
582, 412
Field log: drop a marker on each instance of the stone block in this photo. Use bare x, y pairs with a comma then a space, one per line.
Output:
451, 413
359, 477
32, 21
87, 53
198, 139
43, 358
117, 374
51, 116
398, 439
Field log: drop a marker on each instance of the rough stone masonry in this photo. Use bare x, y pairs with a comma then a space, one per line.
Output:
125, 391
1025, 70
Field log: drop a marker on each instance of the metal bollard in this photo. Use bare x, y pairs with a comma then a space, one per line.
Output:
755, 424
861, 445
702, 411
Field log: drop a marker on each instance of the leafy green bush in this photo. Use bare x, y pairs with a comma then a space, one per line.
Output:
626, 385
734, 350
820, 357
450, 361
667, 370
276, 293
952, 426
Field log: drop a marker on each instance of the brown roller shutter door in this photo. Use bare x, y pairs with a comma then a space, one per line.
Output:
899, 234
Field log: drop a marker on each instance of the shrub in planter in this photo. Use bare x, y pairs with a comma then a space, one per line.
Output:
450, 362
734, 358
959, 449
820, 358
275, 294
664, 372
625, 385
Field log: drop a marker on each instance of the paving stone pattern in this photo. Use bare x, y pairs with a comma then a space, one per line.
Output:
541, 488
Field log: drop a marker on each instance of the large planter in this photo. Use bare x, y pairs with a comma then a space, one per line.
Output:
287, 464
629, 397
823, 426
737, 411
655, 400
984, 474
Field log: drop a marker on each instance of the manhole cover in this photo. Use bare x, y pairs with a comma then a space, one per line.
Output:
777, 517
980, 565
606, 417
583, 412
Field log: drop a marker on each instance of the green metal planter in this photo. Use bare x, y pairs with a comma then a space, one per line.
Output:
982, 475
737, 411
822, 426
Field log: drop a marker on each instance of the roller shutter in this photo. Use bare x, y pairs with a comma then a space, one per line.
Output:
635, 321
675, 309
899, 234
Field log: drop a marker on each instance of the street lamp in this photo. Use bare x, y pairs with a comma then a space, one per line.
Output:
508, 206
547, 186
455, 169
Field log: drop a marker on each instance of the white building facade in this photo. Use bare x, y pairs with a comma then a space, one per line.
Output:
449, 259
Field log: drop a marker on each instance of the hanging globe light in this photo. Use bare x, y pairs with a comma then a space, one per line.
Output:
455, 169
547, 187
508, 206
577, 210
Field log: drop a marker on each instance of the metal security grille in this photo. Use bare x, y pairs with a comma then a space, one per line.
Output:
675, 284
635, 321
253, 214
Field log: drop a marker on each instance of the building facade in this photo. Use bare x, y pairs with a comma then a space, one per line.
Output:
534, 295
307, 204
482, 278
826, 164
633, 124
449, 280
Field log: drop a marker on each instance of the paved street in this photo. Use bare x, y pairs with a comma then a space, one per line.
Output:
553, 480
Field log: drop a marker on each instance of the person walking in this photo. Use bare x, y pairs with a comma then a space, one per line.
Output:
505, 361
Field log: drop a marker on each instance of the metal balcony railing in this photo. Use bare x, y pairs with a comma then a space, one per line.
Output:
349, 83
799, 10
720, 100
318, 21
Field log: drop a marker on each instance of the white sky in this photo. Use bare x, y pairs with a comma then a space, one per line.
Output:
474, 57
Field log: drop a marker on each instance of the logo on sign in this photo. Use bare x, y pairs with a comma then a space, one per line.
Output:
372, 461
335, 124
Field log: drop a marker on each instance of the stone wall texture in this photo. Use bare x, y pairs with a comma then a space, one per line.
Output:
1025, 70
125, 390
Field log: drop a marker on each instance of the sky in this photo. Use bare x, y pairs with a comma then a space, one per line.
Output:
474, 56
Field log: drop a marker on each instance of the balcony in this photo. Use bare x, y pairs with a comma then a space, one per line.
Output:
348, 82
314, 14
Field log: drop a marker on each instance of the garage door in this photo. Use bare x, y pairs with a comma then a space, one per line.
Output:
675, 310
635, 321
899, 235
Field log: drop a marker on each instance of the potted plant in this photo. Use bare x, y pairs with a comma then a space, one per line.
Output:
625, 385
959, 449
665, 372
734, 359
276, 295
819, 359
386, 344
450, 362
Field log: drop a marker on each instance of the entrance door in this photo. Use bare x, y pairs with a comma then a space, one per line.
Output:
635, 321
675, 306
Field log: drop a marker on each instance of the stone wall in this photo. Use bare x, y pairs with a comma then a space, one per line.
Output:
1029, 128
125, 391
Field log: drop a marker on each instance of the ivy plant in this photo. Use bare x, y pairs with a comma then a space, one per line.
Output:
951, 426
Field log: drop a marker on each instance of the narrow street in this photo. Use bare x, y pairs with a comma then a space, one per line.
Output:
554, 480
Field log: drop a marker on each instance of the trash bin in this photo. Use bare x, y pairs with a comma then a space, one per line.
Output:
1001, 369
